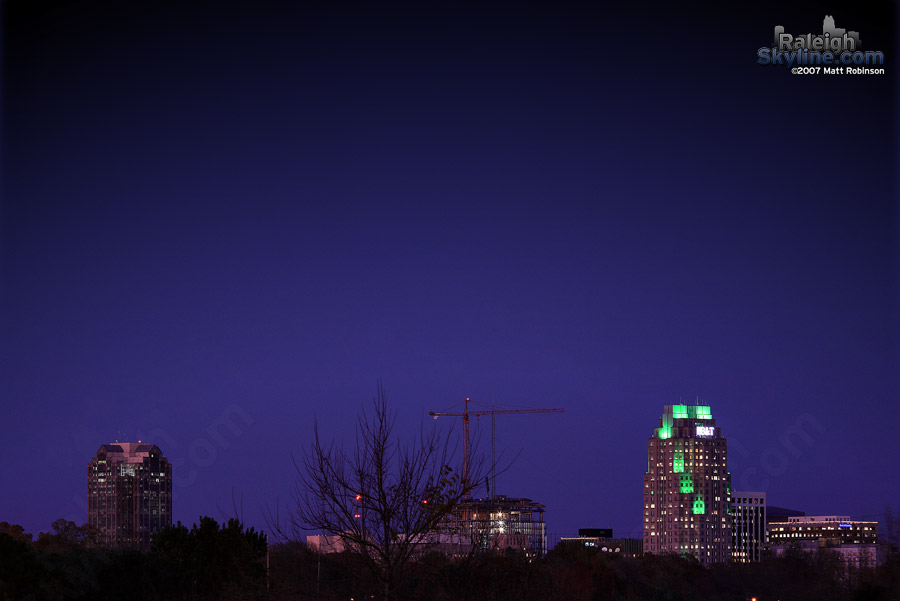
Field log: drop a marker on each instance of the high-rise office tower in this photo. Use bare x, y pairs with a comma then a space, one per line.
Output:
687, 487
749, 529
129, 493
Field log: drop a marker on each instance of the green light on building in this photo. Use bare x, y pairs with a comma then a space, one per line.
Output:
678, 462
700, 412
679, 411
665, 430
699, 507
686, 485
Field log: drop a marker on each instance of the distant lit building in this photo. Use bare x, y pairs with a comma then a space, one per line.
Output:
474, 525
853, 556
629, 547
327, 543
129, 493
838, 528
687, 487
749, 529
496, 523
854, 541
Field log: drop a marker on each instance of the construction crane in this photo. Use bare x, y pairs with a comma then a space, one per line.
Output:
467, 445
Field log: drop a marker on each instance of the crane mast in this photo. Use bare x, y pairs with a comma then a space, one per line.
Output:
466, 416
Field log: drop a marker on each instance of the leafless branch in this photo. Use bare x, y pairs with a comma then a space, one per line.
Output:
385, 499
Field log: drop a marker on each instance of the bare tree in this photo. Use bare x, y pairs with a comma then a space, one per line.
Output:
385, 499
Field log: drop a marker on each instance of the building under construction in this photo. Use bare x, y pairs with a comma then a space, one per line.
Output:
474, 526
497, 523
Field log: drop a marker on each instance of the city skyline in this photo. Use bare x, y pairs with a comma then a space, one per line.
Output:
690, 428
220, 224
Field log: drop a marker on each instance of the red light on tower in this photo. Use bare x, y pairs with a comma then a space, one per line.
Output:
358, 497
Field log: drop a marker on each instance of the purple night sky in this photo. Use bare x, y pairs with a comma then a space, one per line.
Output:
251, 208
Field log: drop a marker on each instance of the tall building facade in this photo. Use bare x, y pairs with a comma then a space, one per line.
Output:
687, 487
129, 493
749, 530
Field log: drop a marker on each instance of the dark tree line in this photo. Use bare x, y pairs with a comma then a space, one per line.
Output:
227, 562
206, 562
581, 574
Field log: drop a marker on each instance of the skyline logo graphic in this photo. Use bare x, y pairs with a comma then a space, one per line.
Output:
835, 51
832, 38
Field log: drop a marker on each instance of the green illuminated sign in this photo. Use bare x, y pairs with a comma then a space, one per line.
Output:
673, 412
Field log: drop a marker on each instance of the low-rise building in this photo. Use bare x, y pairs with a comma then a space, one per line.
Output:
629, 547
475, 525
816, 527
854, 541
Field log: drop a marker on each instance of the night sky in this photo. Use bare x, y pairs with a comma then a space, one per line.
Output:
255, 211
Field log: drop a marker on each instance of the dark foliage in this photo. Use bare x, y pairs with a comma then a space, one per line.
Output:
580, 574
209, 562
203, 563
227, 562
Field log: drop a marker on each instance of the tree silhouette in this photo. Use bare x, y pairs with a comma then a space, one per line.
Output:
212, 562
16, 531
65, 535
384, 500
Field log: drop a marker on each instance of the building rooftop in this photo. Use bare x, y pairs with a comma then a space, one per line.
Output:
502, 501
126, 452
